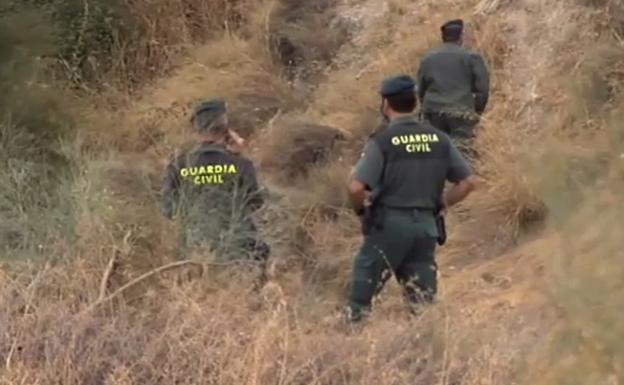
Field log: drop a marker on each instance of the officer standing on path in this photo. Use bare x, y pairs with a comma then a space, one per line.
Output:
213, 191
453, 85
404, 168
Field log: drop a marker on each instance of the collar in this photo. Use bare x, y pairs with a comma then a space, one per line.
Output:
209, 145
404, 119
451, 44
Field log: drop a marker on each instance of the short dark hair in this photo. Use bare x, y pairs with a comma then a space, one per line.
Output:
204, 122
403, 102
451, 35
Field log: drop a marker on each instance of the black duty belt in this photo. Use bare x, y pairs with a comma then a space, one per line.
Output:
408, 210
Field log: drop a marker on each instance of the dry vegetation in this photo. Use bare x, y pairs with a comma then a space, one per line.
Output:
531, 278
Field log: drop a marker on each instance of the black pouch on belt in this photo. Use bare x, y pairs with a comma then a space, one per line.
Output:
372, 219
441, 225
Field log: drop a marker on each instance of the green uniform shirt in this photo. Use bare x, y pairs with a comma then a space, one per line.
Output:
210, 186
453, 79
408, 163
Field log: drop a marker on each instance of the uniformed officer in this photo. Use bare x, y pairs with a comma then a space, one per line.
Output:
213, 191
453, 85
397, 188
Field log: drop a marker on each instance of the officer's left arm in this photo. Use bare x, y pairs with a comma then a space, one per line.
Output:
423, 84
366, 176
170, 191
251, 187
480, 81
460, 175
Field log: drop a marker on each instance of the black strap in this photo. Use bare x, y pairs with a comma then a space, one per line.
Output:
209, 147
408, 208
382, 177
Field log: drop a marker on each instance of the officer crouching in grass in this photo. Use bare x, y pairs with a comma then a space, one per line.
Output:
212, 191
404, 169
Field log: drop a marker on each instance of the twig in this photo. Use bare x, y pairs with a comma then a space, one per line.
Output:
10, 355
274, 118
139, 279
111, 267
107, 275
364, 70
29, 294
150, 273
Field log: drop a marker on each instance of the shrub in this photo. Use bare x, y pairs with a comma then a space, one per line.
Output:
34, 126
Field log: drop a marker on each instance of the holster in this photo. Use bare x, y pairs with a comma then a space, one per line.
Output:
372, 219
441, 225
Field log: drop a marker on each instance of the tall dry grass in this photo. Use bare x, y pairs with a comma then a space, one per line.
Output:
116, 45
36, 129
547, 146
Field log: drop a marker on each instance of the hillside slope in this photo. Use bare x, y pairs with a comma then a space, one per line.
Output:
531, 276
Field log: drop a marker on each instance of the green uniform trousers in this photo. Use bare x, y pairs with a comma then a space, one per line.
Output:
246, 250
240, 243
404, 246
460, 129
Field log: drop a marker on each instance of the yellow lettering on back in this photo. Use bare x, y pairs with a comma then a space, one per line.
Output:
413, 139
420, 147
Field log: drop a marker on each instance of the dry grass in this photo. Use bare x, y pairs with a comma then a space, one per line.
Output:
541, 162
154, 34
197, 333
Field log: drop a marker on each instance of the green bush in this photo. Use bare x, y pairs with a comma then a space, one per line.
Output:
121, 44
85, 34
33, 126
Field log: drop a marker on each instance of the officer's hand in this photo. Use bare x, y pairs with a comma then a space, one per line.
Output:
367, 199
236, 138
444, 209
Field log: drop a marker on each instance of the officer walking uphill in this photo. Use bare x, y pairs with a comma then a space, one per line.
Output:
213, 190
454, 85
396, 189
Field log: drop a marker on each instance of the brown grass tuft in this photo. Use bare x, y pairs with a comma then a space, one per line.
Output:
547, 155
291, 148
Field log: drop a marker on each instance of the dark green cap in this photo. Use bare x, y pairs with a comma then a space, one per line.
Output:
453, 25
397, 84
207, 113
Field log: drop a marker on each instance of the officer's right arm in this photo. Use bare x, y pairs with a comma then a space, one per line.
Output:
460, 175
480, 82
366, 175
170, 191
